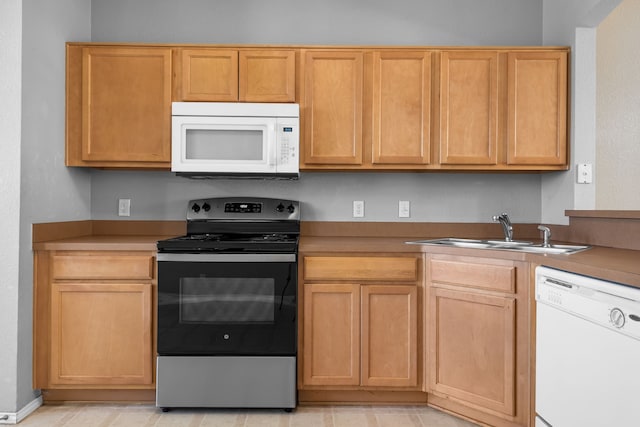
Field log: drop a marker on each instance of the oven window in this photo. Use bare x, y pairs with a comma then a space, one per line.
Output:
227, 300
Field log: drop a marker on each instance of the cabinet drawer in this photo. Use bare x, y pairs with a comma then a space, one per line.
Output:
361, 268
498, 277
101, 266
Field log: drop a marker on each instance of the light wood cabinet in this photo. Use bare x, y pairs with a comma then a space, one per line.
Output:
331, 355
401, 108
537, 98
331, 108
231, 75
389, 335
473, 347
95, 320
361, 108
118, 106
360, 334
469, 108
366, 109
478, 338
101, 333
504, 110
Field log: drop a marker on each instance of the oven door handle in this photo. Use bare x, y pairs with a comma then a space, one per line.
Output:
206, 257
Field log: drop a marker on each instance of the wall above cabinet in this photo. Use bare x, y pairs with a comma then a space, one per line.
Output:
363, 108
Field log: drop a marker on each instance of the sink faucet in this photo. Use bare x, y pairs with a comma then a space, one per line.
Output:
504, 220
546, 235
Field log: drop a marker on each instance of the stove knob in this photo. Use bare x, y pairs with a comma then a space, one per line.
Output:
195, 208
291, 208
280, 208
206, 207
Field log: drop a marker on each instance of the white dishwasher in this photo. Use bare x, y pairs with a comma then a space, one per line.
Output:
587, 351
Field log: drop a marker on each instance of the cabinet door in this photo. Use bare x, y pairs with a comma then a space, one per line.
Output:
101, 334
267, 76
332, 108
401, 107
469, 107
331, 348
209, 75
472, 348
126, 105
389, 335
537, 98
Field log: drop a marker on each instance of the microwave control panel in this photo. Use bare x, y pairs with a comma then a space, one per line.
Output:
288, 144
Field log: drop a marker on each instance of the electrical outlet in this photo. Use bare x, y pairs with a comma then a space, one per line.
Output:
124, 207
404, 208
358, 208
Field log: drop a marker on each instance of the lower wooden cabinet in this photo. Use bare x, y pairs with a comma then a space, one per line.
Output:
473, 348
101, 333
331, 352
389, 335
359, 334
94, 319
478, 357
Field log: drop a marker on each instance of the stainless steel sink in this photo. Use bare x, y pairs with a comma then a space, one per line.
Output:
552, 249
520, 246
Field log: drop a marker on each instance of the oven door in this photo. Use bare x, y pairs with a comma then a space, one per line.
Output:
227, 304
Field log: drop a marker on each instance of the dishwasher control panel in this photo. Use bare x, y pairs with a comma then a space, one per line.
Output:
611, 305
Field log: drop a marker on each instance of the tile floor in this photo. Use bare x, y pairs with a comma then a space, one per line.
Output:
107, 415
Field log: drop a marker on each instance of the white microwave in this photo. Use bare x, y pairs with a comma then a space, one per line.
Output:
233, 139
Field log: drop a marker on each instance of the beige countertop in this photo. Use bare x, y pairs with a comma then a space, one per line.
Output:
618, 265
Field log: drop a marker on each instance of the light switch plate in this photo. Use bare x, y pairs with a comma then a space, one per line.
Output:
358, 208
124, 207
585, 173
404, 209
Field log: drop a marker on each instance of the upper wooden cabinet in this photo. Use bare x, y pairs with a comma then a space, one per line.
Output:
331, 108
469, 107
230, 75
361, 108
366, 109
503, 110
118, 106
537, 98
401, 108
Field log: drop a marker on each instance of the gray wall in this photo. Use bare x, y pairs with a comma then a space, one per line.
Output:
574, 23
10, 82
328, 196
37, 187
420, 22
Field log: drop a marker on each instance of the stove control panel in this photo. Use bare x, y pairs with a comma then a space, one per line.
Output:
243, 207
239, 208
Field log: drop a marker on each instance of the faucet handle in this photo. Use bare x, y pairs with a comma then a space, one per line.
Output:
546, 235
502, 217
